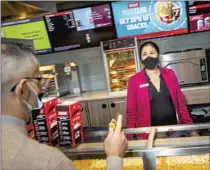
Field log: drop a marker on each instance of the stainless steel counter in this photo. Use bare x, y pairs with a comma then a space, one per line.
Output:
95, 95
193, 95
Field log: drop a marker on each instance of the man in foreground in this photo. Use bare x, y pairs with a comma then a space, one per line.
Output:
20, 96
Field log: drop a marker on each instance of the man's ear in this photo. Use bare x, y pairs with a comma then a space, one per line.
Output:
19, 90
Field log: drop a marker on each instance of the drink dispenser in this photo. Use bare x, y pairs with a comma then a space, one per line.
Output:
74, 79
68, 79
64, 79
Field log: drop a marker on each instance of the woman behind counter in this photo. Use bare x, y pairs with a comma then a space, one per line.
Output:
154, 97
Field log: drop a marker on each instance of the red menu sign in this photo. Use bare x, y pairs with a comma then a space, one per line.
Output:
101, 16
200, 22
199, 16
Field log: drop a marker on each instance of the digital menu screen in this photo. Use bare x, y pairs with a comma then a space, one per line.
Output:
93, 17
80, 28
33, 29
199, 15
149, 19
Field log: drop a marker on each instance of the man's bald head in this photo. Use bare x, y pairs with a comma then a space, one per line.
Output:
17, 61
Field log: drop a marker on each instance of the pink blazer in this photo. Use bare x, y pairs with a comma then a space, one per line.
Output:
138, 100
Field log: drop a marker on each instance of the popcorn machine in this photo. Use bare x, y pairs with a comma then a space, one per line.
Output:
121, 61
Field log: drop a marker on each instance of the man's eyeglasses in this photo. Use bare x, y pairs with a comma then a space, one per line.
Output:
42, 82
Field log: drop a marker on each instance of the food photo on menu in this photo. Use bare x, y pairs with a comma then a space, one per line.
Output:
83, 19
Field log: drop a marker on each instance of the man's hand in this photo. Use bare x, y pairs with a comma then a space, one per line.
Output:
116, 143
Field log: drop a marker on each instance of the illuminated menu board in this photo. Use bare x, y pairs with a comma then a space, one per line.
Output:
33, 29
80, 28
199, 15
149, 19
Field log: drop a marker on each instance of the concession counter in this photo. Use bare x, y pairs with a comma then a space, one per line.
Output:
180, 152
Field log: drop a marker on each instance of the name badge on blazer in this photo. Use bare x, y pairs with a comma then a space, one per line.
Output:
144, 85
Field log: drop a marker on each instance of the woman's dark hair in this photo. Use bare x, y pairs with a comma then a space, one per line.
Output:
154, 45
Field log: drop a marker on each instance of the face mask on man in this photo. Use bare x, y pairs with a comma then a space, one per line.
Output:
33, 108
150, 62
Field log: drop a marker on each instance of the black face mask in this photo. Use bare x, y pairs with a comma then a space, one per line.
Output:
150, 62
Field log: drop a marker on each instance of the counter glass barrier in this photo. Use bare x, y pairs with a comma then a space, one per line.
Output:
160, 151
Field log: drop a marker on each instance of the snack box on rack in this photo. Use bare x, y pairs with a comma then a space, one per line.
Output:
46, 130
30, 130
69, 119
68, 108
49, 105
